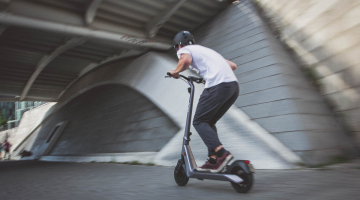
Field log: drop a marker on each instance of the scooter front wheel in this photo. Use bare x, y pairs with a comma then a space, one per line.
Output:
244, 186
180, 176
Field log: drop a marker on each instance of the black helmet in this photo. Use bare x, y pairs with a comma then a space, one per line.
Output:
183, 38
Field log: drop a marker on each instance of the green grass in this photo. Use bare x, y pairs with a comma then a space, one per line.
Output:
135, 163
150, 164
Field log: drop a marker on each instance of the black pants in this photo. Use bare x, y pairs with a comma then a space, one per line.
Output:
213, 104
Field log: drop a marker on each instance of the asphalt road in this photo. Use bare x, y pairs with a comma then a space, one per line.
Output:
21, 180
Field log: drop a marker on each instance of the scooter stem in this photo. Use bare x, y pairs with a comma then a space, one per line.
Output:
189, 114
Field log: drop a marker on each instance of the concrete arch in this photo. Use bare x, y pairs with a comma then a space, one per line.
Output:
129, 74
110, 118
146, 75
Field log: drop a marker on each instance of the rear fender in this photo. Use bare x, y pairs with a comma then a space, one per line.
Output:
241, 164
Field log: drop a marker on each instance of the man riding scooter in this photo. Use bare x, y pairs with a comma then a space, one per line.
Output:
221, 91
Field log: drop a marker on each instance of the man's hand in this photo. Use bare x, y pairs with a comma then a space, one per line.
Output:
173, 74
232, 65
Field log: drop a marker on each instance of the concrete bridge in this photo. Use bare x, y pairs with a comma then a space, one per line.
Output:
113, 106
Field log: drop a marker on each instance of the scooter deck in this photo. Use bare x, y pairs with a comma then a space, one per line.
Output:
221, 176
217, 176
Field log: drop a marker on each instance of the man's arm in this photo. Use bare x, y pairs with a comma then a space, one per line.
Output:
232, 65
183, 64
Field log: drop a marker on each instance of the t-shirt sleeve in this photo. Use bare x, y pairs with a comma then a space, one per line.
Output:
182, 51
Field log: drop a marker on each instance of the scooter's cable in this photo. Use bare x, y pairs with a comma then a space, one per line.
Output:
184, 80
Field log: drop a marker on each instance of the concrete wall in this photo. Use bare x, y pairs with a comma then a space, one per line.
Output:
273, 91
325, 36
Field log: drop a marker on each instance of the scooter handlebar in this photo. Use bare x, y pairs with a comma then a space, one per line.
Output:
190, 78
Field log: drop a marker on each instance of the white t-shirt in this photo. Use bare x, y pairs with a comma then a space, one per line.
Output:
209, 64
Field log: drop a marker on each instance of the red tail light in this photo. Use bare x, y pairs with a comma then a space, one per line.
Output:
247, 162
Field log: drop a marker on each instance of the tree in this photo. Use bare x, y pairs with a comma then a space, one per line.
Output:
3, 121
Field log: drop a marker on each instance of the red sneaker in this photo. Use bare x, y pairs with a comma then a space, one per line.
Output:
223, 161
207, 167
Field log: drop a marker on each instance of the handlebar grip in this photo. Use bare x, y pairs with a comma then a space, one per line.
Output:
168, 75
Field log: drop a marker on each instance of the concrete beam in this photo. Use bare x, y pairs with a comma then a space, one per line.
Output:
7, 99
34, 10
91, 11
154, 25
134, 6
123, 12
66, 29
123, 54
47, 59
51, 11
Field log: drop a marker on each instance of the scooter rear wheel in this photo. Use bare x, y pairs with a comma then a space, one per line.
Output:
180, 177
244, 186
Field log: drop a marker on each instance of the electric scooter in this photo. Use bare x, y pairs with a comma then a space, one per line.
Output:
239, 173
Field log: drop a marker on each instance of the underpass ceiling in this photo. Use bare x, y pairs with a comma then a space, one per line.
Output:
46, 45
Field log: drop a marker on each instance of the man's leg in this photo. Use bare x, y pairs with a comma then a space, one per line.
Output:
222, 156
213, 127
212, 153
210, 101
211, 105
225, 107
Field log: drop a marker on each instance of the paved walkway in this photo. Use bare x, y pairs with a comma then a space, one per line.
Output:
23, 180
